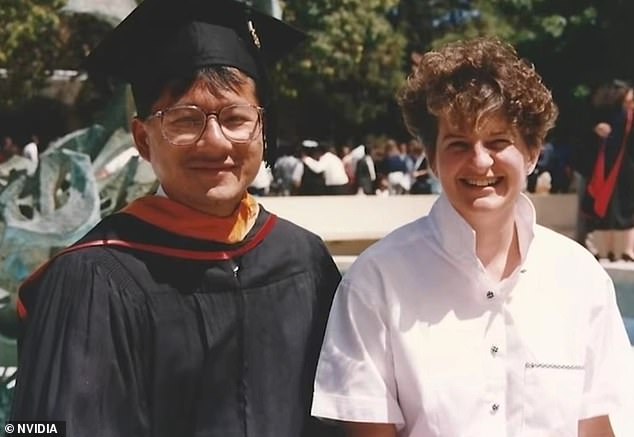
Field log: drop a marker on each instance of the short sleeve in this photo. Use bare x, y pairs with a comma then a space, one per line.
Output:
609, 383
355, 374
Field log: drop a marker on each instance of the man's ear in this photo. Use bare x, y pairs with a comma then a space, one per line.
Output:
140, 135
265, 142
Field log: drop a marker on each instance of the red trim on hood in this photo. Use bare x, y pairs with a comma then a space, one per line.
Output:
160, 250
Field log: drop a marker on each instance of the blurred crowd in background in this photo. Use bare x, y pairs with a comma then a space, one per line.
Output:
384, 166
29, 149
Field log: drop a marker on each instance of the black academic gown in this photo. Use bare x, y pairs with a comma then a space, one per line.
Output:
620, 211
127, 341
312, 184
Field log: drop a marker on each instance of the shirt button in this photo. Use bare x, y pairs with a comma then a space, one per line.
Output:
494, 349
490, 294
495, 407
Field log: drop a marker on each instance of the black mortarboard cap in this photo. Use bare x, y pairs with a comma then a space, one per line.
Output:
163, 40
169, 38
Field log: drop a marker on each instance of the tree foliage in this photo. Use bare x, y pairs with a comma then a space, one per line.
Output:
340, 84
574, 44
41, 37
30, 44
345, 75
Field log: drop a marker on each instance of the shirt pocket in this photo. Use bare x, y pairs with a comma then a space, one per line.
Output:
553, 395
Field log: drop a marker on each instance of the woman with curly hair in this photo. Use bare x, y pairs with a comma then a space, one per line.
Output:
474, 320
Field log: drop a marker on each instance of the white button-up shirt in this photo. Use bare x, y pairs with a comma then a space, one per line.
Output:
420, 336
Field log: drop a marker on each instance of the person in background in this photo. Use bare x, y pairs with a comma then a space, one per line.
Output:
396, 167
261, 185
405, 150
554, 159
474, 320
194, 311
382, 186
9, 149
559, 165
366, 173
310, 182
608, 202
421, 175
284, 168
329, 165
350, 157
31, 149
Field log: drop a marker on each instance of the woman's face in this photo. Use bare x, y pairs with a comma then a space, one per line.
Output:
482, 169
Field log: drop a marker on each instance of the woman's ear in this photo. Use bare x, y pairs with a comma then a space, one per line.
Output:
140, 135
431, 160
532, 158
432, 167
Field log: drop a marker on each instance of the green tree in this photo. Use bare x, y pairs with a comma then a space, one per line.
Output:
575, 44
343, 79
30, 45
341, 83
41, 36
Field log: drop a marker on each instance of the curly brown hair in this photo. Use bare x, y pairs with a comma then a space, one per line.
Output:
470, 80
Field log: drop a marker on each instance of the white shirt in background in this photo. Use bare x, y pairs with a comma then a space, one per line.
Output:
263, 178
331, 166
31, 152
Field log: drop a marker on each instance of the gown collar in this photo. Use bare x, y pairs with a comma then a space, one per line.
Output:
180, 219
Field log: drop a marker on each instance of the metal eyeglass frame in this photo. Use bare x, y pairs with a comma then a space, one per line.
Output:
215, 114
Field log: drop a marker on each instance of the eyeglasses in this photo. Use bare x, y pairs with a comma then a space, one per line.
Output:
184, 125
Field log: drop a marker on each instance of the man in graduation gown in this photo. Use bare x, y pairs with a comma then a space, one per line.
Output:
192, 312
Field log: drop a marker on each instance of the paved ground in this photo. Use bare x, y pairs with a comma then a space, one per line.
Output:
618, 265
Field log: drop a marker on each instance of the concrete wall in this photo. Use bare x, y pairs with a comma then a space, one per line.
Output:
349, 224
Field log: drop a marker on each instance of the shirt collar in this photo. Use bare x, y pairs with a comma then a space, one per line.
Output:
457, 237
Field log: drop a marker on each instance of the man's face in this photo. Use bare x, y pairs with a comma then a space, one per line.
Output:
212, 174
482, 170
